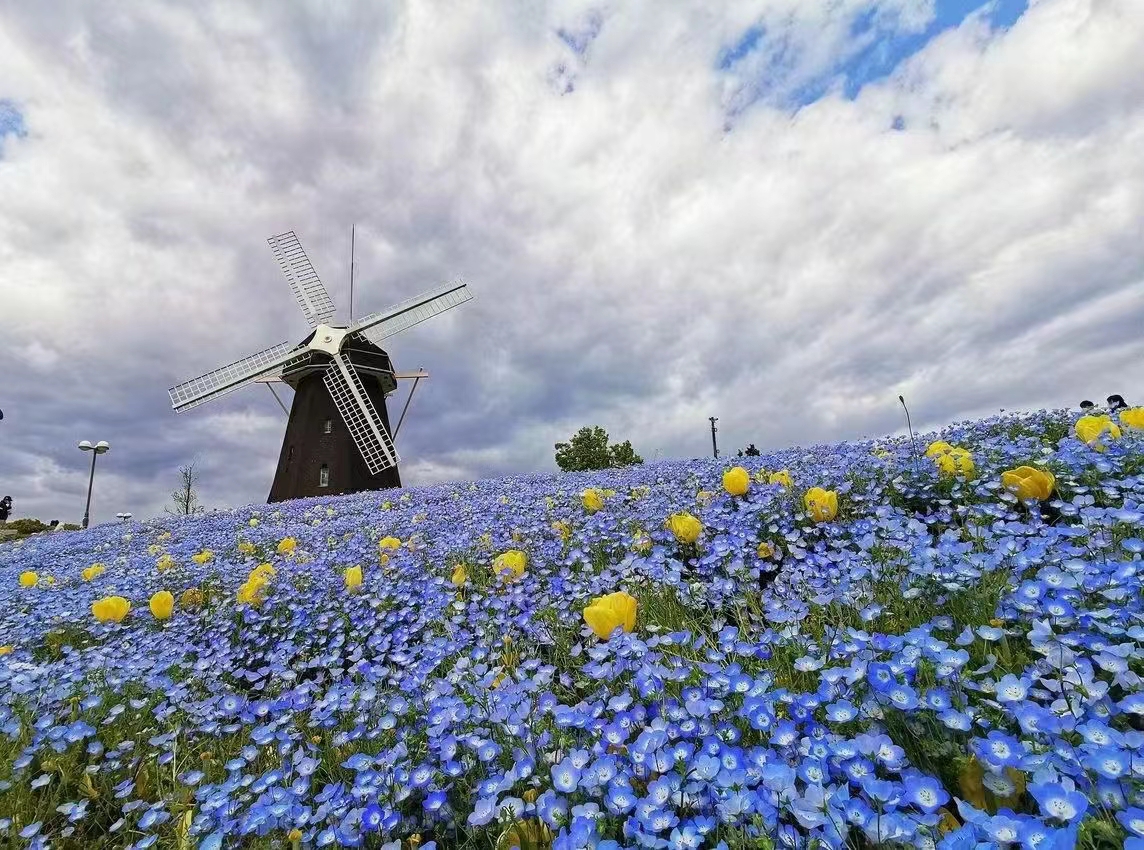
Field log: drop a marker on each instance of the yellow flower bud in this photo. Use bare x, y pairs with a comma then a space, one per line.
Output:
92, 572
607, 613
459, 576
510, 565
765, 550
1089, 429
246, 547
1028, 482
592, 500
822, 505
110, 609
782, 477
4, 650
162, 604
1133, 417
388, 543
191, 598
203, 556
29, 579
287, 545
955, 462
736, 481
685, 527
353, 578
166, 562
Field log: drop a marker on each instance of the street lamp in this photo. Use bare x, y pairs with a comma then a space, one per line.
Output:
96, 450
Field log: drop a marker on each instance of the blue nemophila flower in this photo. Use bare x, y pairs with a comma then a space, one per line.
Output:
1059, 803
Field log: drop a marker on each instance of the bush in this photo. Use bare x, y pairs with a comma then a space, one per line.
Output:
27, 526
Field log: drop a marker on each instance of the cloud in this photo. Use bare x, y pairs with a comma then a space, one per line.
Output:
659, 220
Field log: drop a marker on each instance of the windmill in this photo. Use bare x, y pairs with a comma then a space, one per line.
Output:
337, 373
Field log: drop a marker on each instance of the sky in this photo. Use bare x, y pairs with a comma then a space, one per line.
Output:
783, 213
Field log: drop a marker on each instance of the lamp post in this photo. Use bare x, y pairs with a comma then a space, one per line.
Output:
96, 450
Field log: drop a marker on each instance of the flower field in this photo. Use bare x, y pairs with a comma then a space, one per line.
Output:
868, 644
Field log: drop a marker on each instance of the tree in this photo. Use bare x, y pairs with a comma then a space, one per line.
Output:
588, 449
185, 499
624, 455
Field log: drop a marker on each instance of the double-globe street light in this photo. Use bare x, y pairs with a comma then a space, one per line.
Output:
96, 450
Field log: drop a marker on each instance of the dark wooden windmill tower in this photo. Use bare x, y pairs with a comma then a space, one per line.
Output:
338, 433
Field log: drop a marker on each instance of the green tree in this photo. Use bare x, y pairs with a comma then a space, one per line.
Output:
589, 449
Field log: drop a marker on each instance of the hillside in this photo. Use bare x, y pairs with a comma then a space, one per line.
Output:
937, 661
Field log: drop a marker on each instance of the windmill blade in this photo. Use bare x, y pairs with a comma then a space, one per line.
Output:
360, 416
378, 326
232, 376
312, 296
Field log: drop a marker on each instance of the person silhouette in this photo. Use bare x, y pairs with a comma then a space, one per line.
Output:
752, 451
5, 508
1115, 403
1086, 405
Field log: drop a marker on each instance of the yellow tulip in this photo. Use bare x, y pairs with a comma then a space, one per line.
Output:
264, 572
252, 592
29, 579
4, 650
253, 523
510, 565
955, 462
92, 572
191, 598
388, 543
562, 528
460, 576
939, 447
162, 604
736, 481
246, 547
685, 527
154, 549
287, 545
1027, 482
203, 556
1133, 417
822, 505
1089, 429
166, 562
782, 477
765, 550
110, 609
592, 500
606, 613
353, 578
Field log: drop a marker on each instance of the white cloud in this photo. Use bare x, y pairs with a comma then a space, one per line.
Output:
635, 264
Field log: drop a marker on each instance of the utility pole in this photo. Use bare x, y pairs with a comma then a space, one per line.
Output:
714, 445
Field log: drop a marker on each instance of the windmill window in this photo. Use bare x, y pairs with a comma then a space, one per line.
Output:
328, 428
290, 456
324, 476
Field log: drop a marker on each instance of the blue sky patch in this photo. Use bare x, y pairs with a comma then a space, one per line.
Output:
581, 38
11, 122
877, 42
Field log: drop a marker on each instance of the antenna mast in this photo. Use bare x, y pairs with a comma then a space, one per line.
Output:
352, 229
